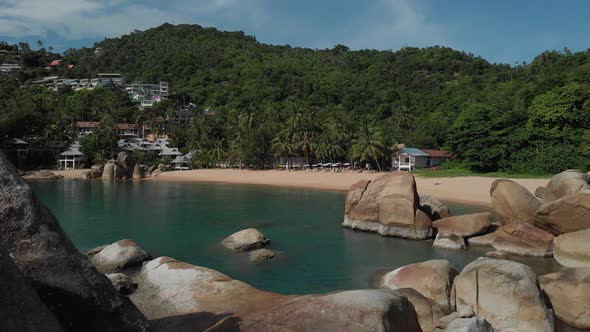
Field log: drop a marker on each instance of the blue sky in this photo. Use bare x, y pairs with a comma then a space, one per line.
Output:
500, 30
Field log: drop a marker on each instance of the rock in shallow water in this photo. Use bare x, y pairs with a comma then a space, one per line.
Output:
464, 225
569, 293
173, 293
245, 240
451, 242
119, 256
523, 239
389, 206
505, 293
573, 249
261, 255
80, 297
433, 207
433, 279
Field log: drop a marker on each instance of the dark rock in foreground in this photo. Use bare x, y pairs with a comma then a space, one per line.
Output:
80, 297
21, 309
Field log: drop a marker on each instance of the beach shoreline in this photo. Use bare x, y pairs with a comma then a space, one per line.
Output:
468, 190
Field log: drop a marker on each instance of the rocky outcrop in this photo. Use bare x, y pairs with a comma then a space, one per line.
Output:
566, 183
464, 225
42, 175
356, 310
126, 165
123, 284
433, 207
261, 255
505, 293
523, 239
389, 205
81, 298
109, 170
428, 311
573, 249
119, 256
21, 309
169, 288
513, 202
568, 214
569, 293
450, 241
138, 172
433, 279
244, 240
474, 324
150, 170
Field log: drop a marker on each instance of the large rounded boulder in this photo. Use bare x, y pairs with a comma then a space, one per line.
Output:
429, 312
355, 310
568, 214
505, 293
566, 183
513, 202
244, 240
388, 205
569, 293
433, 279
466, 225
573, 249
523, 239
108, 172
119, 256
138, 173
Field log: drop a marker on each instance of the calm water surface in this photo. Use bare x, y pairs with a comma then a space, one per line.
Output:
188, 220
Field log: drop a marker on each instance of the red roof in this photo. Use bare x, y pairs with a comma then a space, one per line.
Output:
437, 153
83, 124
55, 63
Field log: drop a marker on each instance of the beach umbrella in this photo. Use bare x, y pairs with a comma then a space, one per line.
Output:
314, 165
346, 164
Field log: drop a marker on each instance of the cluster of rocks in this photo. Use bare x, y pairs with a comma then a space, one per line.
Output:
250, 240
123, 168
487, 295
41, 175
553, 222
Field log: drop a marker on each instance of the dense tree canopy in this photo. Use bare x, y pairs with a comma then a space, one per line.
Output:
332, 104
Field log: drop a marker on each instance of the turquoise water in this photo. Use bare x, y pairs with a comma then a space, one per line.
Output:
188, 220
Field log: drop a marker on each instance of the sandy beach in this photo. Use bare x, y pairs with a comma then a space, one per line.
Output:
471, 189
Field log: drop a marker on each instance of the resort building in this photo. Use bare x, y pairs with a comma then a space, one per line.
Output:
182, 163
169, 153
22, 149
407, 159
86, 128
147, 94
10, 67
126, 130
109, 80
72, 158
182, 117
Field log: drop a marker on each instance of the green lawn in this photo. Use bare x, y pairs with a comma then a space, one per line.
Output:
455, 172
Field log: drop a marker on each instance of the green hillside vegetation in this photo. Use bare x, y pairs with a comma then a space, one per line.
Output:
333, 104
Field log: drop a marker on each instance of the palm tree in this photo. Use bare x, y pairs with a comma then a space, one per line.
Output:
217, 152
367, 146
281, 145
305, 142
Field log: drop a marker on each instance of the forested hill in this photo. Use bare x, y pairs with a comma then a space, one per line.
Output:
337, 103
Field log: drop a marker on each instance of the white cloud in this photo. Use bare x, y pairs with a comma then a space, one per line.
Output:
405, 24
76, 19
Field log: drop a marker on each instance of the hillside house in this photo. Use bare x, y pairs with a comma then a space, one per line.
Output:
407, 159
72, 158
85, 127
126, 130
